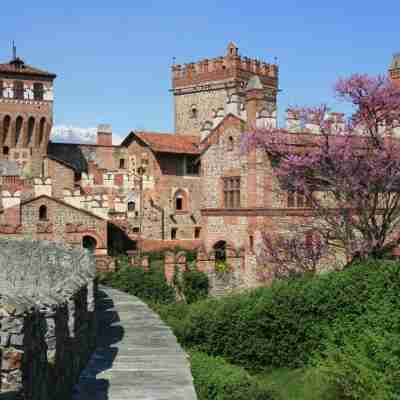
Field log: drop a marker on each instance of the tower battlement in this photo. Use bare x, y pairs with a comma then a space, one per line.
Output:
230, 66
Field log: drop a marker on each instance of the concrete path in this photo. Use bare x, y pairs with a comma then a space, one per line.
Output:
137, 358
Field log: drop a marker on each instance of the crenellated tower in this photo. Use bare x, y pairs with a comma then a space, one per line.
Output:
26, 113
207, 90
394, 69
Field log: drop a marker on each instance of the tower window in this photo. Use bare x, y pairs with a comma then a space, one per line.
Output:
193, 112
173, 233
18, 90
230, 143
38, 91
122, 163
43, 213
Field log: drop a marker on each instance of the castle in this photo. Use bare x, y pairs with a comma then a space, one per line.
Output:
191, 188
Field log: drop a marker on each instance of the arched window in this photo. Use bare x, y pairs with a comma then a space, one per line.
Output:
41, 130
43, 213
180, 200
220, 251
193, 112
6, 127
90, 243
31, 126
131, 206
18, 129
230, 143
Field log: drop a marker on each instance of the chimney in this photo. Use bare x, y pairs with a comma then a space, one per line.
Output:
104, 135
255, 99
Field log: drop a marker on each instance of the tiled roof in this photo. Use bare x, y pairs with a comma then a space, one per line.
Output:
19, 67
166, 142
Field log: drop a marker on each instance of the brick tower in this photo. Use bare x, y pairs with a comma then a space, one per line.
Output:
26, 113
394, 69
207, 90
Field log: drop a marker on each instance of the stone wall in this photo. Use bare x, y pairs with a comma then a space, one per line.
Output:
47, 318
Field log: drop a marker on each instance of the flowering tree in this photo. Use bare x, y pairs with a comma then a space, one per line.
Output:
349, 172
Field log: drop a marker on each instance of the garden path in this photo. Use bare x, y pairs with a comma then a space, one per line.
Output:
137, 355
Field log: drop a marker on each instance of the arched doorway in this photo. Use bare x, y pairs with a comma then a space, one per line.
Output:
220, 251
90, 243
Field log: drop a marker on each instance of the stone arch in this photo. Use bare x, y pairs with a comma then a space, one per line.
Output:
31, 127
89, 243
181, 200
19, 122
220, 250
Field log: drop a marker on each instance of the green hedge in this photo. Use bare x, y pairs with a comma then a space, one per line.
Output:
285, 324
215, 379
150, 286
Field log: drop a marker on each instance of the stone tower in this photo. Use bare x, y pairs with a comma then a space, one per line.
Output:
394, 69
205, 91
26, 113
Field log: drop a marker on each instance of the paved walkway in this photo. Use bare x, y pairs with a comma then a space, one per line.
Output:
137, 358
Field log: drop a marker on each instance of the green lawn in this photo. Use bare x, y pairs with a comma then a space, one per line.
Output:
289, 384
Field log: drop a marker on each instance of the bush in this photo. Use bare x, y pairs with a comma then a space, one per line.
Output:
284, 324
195, 285
150, 286
365, 367
215, 379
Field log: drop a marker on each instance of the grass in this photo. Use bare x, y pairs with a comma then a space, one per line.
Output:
294, 384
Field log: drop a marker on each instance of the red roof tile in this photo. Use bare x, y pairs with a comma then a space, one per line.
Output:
18, 67
167, 142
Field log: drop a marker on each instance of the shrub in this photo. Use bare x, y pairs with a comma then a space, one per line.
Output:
150, 286
195, 285
284, 324
215, 379
365, 367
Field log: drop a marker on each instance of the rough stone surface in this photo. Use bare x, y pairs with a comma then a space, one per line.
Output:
137, 358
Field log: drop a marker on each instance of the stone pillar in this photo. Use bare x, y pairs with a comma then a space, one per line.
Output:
169, 266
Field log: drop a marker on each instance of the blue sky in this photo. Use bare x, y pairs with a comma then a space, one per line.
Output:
113, 58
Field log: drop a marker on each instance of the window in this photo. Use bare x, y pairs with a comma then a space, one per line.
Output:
178, 203
18, 129
38, 91
90, 243
180, 200
192, 166
42, 126
122, 163
43, 213
136, 230
230, 143
18, 90
197, 232
232, 192
131, 206
251, 242
193, 112
1, 89
173, 233
6, 127
6, 150
31, 125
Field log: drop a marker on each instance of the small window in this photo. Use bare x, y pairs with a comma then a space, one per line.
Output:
1, 88
230, 143
6, 150
18, 90
193, 112
131, 206
197, 232
179, 203
38, 91
43, 213
122, 163
251, 242
173, 233
136, 230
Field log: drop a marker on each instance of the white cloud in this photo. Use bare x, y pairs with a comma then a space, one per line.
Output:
76, 134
